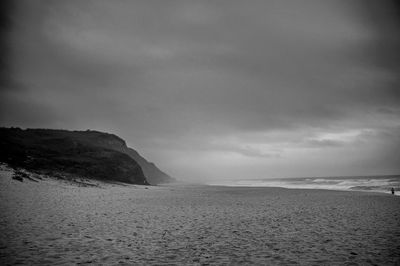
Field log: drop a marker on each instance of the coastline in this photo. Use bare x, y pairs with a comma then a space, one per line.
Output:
306, 189
377, 184
53, 222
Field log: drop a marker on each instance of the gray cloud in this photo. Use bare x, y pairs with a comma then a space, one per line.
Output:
179, 78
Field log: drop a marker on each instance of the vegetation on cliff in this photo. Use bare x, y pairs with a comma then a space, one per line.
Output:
84, 153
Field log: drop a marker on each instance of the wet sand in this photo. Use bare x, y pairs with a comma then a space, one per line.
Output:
53, 222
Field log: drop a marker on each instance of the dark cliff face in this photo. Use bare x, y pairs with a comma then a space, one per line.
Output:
83, 153
152, 173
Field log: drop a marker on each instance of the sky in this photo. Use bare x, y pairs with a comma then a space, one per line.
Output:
213, 90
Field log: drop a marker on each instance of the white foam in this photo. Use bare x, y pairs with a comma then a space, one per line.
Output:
356, 183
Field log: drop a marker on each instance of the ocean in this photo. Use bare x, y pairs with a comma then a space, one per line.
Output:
381, 184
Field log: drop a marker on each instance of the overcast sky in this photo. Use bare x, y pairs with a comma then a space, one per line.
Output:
213, 90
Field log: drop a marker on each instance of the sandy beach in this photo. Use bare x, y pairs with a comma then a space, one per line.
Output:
51, 222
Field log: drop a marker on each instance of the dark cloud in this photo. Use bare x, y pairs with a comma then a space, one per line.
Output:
259, 80
6, 9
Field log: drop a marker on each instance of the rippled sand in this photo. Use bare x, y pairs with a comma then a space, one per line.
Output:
51, 222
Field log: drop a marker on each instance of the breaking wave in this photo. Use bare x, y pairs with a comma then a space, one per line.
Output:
358, 183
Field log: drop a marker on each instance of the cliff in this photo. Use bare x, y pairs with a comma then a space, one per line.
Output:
88, 153
109, 141
153, 174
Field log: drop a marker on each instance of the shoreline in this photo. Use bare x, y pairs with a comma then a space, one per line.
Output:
318, 189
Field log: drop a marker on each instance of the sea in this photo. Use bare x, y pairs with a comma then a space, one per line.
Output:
382, 184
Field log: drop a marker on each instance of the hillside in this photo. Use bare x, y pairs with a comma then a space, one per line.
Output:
109, 141
153, 174
89, 153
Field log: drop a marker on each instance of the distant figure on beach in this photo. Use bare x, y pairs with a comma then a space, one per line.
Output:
392, 190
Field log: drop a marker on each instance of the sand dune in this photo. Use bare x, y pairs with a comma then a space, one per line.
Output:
53, 222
